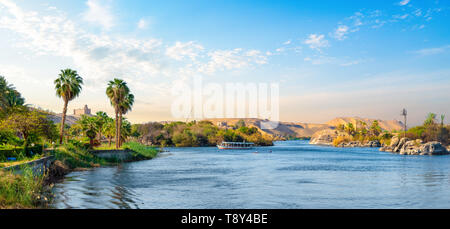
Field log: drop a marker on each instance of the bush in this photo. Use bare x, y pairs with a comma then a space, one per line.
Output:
141, 151
341, 139
19, 152
20, 191
77, 157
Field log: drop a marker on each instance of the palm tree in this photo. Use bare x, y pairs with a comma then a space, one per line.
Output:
89, 125
109, 129
10, 98
431, 119
117, 91
126, 130
101, 120
125, 107
68, 87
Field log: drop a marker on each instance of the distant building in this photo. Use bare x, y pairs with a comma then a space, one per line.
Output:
82, 111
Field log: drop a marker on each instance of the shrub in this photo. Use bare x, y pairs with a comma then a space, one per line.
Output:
341, 139
78, 157
141, 151
20, 191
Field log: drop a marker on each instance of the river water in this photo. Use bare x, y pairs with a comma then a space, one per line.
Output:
291, 174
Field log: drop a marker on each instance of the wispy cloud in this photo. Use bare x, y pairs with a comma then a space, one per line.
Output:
404, 2
181, 50
432, 51
99, 13
142, 24
341, 32
98, 57
221, 60
316, 41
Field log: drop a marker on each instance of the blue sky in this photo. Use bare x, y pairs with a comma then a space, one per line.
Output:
331, 58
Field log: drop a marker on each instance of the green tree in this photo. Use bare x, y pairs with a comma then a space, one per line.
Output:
27, 123
10, 98
101, 118
126, 130
442, 120
240, 123
109, 129
431, 119
375, 128
90, 127
117, 92
350, 129
68, 86
125, 107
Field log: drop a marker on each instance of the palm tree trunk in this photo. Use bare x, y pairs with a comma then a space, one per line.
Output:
120, 129
117, 130
63, 122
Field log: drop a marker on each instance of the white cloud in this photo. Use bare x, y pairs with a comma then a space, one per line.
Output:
402, 17
99, 13
142, 24
99, 57
181, 50
341, 32
287, 42
404, 2
221, 60
432, 51
316, 42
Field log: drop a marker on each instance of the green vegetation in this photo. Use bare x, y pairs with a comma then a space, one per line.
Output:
26, 133
122, 101
140, 151
76, 156
20, 191
431, 130
68, 87
361, 132
197, 134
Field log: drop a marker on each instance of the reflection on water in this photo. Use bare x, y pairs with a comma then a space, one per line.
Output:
288, 175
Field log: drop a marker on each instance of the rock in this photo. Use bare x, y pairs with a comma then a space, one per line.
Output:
386, 149
394, 142
433, 148
400, 144
410, 148
58, 169
373, 144
324, 137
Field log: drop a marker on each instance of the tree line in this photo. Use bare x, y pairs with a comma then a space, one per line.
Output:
22, 126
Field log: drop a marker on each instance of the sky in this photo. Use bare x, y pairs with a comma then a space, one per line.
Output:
330, 58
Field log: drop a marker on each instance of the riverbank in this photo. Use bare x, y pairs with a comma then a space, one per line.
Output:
29, 190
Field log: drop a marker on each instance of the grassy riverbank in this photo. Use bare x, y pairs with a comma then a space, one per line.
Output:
28, 191
20, 191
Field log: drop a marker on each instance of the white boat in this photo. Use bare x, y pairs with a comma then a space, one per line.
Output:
236, 145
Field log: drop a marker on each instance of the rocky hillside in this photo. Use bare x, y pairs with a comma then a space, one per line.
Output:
385, 125
57, 118
301, 130
284, 129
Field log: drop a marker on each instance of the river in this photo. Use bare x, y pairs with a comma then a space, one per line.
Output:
292, 175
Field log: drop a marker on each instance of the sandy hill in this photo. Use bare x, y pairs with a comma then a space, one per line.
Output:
385, 125
57, 118
284, 129
297, 129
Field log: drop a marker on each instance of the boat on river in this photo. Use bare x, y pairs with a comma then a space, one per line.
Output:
235, 145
